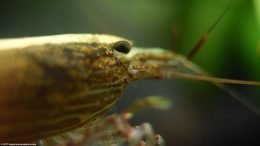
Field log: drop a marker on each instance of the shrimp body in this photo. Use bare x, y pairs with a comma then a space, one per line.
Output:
54, 84
50, 87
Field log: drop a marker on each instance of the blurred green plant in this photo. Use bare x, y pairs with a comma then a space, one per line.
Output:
257, 10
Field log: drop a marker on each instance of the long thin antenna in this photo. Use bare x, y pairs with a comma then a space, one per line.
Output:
218, 82
204, 37
211, 79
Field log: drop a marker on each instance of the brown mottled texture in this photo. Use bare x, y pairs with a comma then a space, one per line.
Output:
49, 89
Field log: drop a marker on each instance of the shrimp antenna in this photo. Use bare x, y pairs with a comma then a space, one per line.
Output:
204, 37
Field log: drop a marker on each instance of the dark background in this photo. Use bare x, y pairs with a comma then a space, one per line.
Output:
201, 114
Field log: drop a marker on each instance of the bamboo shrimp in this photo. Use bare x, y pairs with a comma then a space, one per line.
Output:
59, 83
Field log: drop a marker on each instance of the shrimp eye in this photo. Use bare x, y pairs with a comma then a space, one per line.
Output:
122, 47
